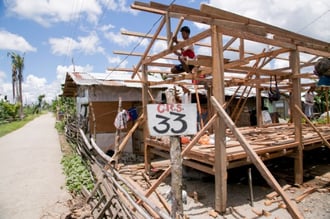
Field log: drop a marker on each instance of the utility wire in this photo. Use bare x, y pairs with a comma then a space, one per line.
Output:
75, 12
313, 21
138, 44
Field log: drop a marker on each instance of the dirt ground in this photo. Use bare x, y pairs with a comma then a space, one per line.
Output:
315, 205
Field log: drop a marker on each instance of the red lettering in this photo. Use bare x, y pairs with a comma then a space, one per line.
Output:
160, 108
171, 107
179, 108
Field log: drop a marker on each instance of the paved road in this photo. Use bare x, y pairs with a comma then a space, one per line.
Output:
31, 179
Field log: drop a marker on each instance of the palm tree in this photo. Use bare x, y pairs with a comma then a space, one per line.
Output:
17, 62
14, 80
40, 98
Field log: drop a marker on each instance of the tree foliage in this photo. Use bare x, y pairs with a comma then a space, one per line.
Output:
8, 111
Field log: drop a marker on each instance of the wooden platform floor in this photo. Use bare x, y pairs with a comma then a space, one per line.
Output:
268, 142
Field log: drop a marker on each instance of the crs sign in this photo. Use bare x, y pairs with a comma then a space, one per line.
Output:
172, 119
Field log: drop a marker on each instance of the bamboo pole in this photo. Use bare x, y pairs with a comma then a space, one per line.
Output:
121, 146
141, 196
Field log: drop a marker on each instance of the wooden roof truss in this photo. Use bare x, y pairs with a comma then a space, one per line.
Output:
247, 69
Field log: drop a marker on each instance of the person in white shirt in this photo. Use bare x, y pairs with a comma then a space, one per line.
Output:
309, 102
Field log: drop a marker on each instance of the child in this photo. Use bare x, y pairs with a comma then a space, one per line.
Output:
184, 54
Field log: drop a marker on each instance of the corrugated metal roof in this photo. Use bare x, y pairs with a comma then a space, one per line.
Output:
82, 78
109, 79
119, 79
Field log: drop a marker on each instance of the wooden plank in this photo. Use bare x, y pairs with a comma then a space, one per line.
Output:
161, 25
305, 194
256, 160
182, 44
274, 194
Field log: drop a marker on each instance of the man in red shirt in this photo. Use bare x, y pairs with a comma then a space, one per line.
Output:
186, 53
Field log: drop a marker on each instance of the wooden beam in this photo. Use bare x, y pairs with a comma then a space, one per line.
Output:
161, 25
314, 51
150, 36
256, 159
170, 44
182, 44
207, 14
220, 164
259, 71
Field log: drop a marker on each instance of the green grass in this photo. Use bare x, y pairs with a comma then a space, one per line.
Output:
12, 126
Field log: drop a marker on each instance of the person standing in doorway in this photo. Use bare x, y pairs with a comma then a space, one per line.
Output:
309, 102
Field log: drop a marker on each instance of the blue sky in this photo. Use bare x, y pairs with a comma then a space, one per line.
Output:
53, 33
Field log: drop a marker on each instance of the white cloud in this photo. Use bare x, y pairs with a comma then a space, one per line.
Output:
310, 18
14, 42
66, 46
124, 40
119, 5
33, 86
53, 11
105, 28
114, 61
2, 76
62, 70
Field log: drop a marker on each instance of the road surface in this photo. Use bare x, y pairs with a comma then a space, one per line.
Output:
32, 185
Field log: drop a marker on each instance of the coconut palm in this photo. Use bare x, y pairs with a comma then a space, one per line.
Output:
17, 62
14, 81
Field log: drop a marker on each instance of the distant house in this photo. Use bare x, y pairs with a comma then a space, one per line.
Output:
97, 98
247, 105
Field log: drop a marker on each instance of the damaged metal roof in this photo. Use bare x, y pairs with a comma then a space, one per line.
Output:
123, 79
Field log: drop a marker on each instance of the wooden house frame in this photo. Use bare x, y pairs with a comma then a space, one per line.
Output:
287, 46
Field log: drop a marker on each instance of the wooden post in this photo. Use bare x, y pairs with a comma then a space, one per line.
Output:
296, 117
117, 137
327, 103
220, 164
94, 120
147, 159
184, 152
176, 174
176, 180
